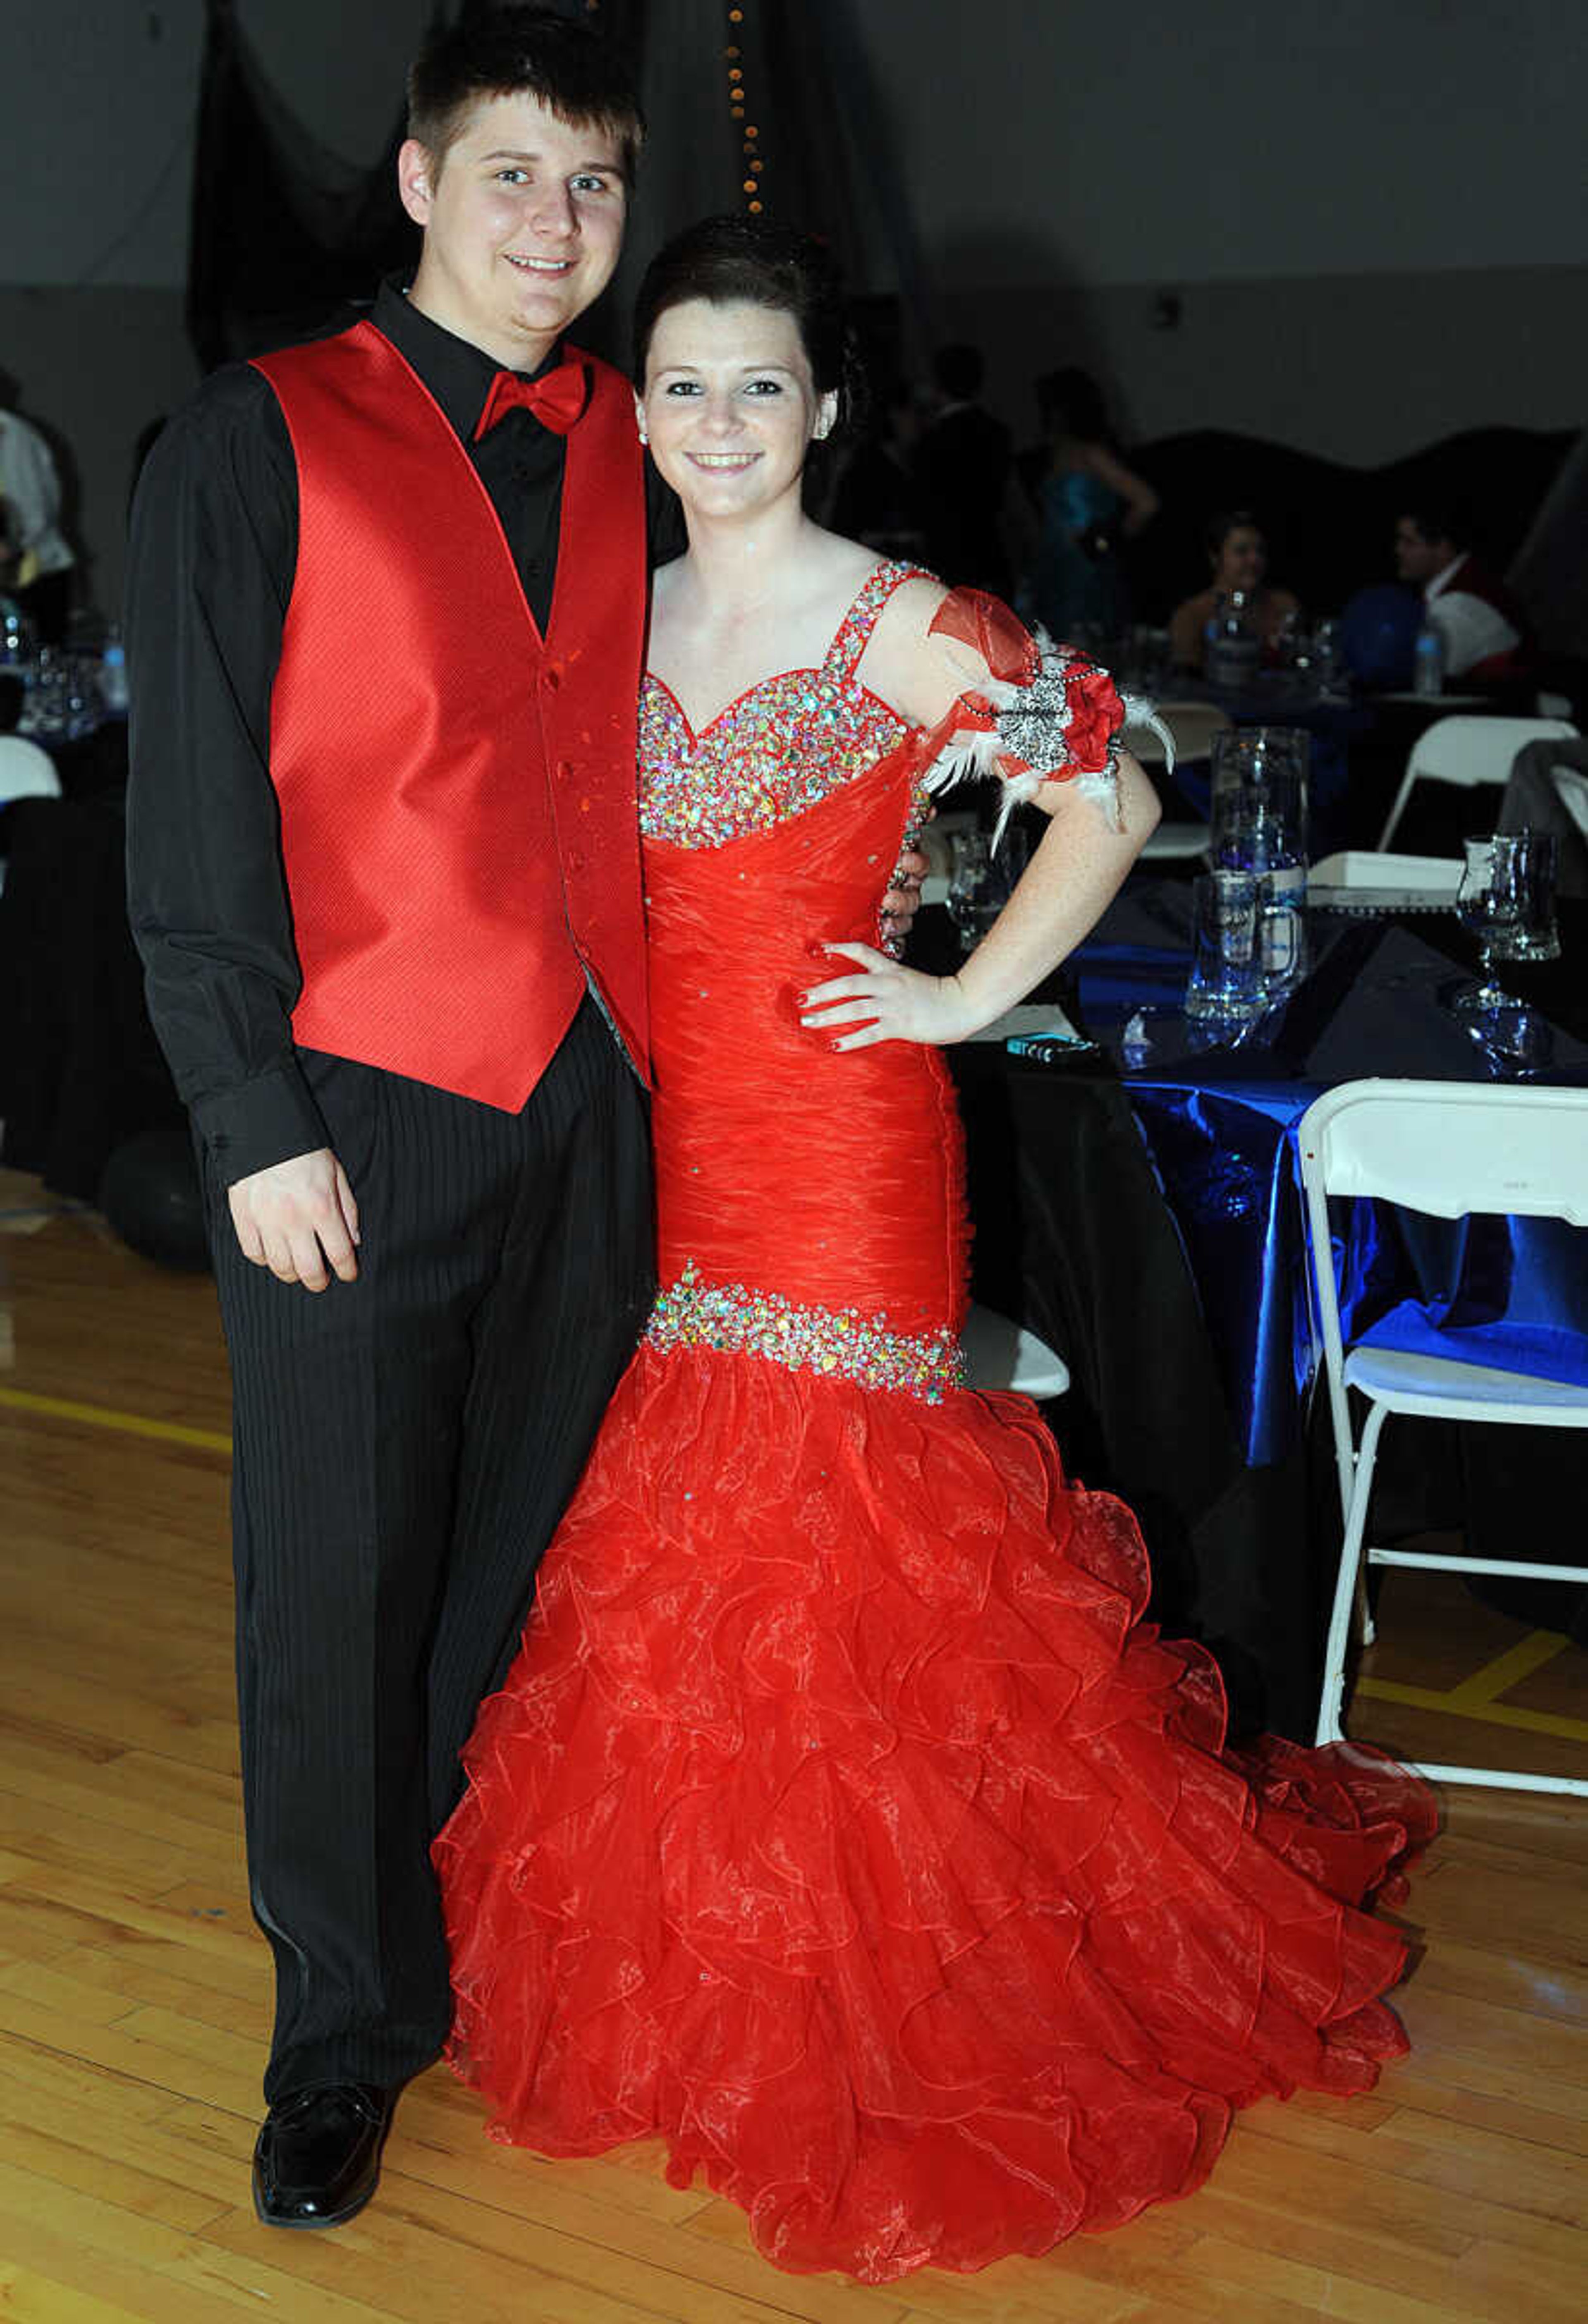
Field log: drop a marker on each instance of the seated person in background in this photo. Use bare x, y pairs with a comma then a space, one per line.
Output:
1378, 626
962, 468
1086, 500
1480, 625
1239, 556
39, 571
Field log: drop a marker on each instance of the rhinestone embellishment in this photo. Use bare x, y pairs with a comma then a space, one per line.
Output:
783, 747
734, 1318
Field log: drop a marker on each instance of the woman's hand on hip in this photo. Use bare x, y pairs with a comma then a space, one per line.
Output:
886, 1001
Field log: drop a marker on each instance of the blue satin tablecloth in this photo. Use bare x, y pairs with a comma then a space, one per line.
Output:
1220, 1127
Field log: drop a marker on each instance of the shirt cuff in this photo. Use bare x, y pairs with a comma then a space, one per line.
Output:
268, 1120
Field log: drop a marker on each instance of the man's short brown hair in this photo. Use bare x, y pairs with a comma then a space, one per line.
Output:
510, 50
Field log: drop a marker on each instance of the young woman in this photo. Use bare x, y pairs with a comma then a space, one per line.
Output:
840, 1823
1088, 500
1238, 560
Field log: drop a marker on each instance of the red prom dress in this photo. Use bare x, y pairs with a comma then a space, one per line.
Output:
841, 1823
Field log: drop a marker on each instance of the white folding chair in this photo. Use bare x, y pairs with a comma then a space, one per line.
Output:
25, 772
1000, 1353
1176, 842
1448, 1148
1571, 788
1468, 752
1193, 725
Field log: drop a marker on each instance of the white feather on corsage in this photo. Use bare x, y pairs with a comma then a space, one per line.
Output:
1032, 725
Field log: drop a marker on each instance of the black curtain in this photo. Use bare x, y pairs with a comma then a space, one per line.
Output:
285, 234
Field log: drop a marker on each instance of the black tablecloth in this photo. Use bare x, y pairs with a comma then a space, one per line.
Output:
80, 1070
1073, 1237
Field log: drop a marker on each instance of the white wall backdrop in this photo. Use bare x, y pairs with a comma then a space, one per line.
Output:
1372, 213
1220, 139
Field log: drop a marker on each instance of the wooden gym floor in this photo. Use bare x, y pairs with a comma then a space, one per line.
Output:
133, 1989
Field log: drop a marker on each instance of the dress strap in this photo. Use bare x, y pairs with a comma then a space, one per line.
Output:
855, 629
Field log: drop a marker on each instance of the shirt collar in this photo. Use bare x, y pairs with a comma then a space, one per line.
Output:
1443, 580
457, 374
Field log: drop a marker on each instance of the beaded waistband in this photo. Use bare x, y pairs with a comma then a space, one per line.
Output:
736, 1318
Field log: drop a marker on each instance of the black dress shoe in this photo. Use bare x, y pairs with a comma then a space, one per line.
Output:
318, 2154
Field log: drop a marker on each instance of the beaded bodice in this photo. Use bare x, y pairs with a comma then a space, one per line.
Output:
783, 746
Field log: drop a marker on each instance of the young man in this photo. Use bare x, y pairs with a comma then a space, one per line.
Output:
1480, 625
962, 466
387, 605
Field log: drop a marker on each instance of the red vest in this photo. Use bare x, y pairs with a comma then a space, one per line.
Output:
458, 819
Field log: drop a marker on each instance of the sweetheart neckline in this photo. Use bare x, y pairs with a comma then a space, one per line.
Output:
697, 735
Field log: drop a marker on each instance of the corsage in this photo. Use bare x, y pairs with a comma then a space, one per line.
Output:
1045, 715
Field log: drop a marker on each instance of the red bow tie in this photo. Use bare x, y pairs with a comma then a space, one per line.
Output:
557, 397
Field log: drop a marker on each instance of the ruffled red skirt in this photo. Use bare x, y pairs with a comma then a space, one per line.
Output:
842, 1825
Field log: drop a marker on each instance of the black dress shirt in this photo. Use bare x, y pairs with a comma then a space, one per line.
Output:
214, 547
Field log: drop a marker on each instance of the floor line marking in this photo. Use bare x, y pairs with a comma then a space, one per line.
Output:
101, 1415
1491, 1714
1509, 1669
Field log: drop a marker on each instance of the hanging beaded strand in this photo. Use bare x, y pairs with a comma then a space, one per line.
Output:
750, 186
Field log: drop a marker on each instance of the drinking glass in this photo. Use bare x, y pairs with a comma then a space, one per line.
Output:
1531, 857
1283, 955
1225, 985
1328, 657
1149, 661
47, 706
1256, 827
980, 882
1248, 757
1489, 903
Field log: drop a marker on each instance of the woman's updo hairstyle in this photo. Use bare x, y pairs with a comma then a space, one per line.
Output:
741, 260
1220, 526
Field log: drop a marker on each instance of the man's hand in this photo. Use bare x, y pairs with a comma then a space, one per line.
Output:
296, 1216
904, 899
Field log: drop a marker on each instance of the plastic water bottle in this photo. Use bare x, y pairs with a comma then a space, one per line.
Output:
1233, 648
1428, 663
113, 674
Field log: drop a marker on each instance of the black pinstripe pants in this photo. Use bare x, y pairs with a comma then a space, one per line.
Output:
404, 1445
